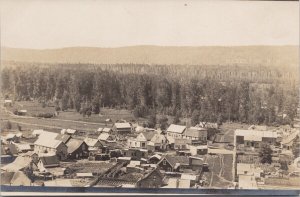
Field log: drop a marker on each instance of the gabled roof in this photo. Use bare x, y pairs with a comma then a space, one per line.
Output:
176, 128
49, 160
155, 156
51, 143
173, 160
48, 139
152, 171
74, 144
104, 136
122, 125
63, 137
158, 138
91, 141
148, 135
18, 164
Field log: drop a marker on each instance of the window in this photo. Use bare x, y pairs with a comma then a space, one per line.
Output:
164, 162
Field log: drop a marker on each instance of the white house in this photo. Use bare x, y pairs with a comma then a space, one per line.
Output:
176, 131
47, 143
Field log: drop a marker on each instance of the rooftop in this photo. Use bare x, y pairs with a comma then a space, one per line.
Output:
74, 144
255, 135
173, 160
91, 141
148, 135
122, 125
176, 128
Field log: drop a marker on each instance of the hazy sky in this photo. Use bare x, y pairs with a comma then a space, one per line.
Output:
112, 23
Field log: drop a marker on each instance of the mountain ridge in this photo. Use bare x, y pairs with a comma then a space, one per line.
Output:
283, 55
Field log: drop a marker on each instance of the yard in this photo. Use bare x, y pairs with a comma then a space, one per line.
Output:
85, 166
220, 171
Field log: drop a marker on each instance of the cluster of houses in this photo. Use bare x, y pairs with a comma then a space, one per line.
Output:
250, 173
134, 156
145, 153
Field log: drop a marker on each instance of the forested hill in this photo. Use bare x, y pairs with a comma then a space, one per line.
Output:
286, 56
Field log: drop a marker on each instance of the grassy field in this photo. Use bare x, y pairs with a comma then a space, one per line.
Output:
67, 119
32, 107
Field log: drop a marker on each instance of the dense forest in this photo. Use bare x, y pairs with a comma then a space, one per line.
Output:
203, 98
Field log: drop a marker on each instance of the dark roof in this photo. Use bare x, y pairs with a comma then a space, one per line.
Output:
13, 149
148, 135
183, 160
63, 137
74, 144
50, 160
158, 172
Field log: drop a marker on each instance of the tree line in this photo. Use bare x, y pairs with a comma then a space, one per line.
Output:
87, 89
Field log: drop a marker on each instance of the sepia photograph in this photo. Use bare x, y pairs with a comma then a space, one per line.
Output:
140, 97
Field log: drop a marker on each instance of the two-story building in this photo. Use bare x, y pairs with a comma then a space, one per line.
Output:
122, 128
47, 143
176, 131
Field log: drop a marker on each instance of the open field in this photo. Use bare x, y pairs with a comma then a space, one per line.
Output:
32, 107
69, 119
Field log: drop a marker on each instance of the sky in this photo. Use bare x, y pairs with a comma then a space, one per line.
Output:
42, 24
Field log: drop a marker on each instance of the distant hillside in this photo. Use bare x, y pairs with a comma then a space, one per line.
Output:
256, 55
